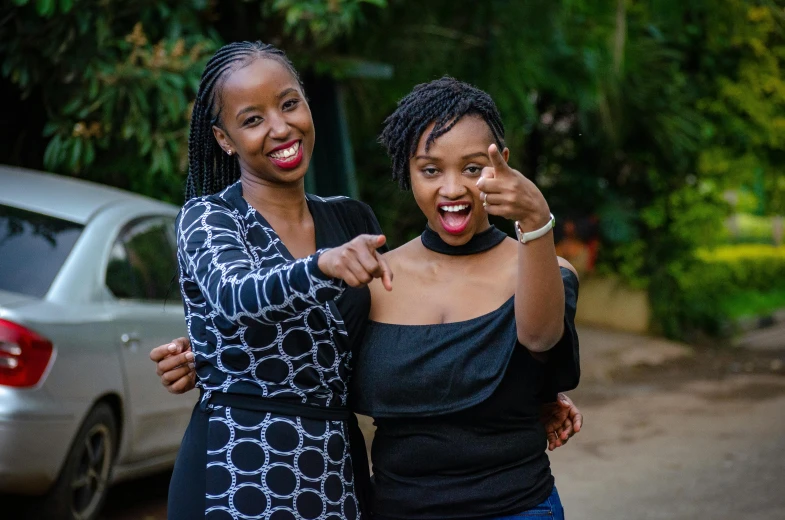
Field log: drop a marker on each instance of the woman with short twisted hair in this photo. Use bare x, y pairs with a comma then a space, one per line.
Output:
456, 388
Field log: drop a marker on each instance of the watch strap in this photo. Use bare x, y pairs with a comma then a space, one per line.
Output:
528, 236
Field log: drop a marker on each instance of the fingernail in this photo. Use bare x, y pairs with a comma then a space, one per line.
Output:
191, 366
172, 347
189, 356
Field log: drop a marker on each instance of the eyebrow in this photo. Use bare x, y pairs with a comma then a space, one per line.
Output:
251, 108
475, 154
287, 91
245, 110
467, 156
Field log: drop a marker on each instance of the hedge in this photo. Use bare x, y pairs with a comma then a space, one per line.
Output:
716, 276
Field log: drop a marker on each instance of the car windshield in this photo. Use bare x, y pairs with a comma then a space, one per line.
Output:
33, 247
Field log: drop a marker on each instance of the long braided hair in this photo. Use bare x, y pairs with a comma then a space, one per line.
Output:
443, 101
210, 170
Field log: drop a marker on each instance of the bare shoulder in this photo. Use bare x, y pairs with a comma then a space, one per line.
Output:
508, 253
567, 265
405, 254
403, 262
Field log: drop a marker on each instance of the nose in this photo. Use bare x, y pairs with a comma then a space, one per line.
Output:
453, 187
279, 127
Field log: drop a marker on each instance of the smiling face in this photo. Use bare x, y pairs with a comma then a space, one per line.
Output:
266, 121
444, 179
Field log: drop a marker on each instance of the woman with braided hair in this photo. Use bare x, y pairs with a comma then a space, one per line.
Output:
262, 267
273, 327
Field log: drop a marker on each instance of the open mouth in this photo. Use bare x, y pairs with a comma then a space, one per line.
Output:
454, 216
287, 156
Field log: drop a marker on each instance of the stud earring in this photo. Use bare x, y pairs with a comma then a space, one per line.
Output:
229, 152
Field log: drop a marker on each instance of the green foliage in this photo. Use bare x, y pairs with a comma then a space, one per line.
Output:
744, 228
116, 78
747, 107
713, 288
645, 114
752, 303
318, 21
637, 112
116, 94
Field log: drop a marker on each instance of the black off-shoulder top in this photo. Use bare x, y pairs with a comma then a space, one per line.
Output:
456, 407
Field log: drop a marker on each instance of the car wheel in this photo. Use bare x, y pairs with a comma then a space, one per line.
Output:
81, 488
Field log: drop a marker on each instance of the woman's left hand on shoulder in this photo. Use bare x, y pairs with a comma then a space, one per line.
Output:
507, 193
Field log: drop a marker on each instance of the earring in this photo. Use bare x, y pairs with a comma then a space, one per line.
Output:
229, 152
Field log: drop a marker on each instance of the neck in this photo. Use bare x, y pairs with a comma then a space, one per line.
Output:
279, 202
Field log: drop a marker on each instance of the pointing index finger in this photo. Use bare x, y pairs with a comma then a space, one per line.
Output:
376, 241
499, 164
387, 274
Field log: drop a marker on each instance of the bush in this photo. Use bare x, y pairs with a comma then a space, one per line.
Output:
712, 285
750, 229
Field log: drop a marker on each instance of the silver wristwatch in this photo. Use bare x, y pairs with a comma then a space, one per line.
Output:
523, 238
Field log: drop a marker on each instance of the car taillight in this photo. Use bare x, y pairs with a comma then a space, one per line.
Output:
24, 355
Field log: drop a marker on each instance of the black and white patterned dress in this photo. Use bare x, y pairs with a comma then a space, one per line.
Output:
270, 329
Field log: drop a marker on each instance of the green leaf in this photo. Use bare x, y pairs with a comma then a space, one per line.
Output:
146, 144
166, 162
89, 155
45, 7
72, 106
66, 5
140, 96
76, 155
52, 153
176, 81
50, 128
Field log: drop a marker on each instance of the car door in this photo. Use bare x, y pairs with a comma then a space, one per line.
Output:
142, 276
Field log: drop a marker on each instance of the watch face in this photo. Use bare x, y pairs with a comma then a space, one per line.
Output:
518, 232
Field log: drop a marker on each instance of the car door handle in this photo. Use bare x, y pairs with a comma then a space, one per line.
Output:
130, 339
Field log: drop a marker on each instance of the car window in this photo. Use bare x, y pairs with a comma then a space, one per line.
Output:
142, 263
33, 248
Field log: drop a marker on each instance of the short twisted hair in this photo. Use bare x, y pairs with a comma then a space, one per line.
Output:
443, 101
209, 169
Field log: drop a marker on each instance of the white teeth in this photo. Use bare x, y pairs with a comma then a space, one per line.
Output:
453, 209
287, 152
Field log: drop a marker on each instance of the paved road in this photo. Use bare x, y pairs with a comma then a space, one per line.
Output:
769, 338
670, 433
688, 438
707, 449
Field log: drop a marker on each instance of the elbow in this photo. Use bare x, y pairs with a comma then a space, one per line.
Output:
541, 340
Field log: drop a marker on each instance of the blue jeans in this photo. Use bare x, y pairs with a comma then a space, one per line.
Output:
551, 508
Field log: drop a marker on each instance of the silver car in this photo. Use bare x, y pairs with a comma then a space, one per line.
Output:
87, 287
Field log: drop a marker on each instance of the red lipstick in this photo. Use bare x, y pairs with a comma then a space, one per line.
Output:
291, 161
454, 216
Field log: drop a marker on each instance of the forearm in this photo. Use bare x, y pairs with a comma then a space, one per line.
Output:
539, 296
212, 251
267, 294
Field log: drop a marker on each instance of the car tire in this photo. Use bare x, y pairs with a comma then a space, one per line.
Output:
80, 490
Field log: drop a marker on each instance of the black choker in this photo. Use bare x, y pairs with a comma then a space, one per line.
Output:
480, 242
